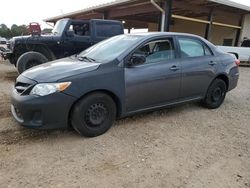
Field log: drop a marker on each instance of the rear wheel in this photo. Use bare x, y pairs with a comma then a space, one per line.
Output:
93, 115
30, 59
216, 94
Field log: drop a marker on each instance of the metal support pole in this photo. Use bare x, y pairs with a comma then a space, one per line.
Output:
237, 39
168, 14
105, 15
159, 22
209, 26
162, 11
129, 30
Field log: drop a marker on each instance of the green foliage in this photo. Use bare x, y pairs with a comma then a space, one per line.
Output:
15, 30
46, 30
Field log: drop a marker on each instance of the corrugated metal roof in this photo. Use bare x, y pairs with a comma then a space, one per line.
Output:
118, 2
104, 5
232, 4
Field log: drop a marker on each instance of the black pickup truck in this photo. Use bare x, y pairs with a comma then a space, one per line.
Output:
68, 37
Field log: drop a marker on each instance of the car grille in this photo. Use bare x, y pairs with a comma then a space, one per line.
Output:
23, 88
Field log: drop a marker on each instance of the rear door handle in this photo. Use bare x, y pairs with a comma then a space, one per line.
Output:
174, 68
212, 63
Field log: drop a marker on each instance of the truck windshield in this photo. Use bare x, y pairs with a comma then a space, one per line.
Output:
111, 48
59, 27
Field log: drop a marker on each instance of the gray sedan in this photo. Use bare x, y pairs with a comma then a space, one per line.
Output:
121, 76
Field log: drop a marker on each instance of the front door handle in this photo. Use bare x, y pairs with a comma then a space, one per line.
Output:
212, 63
174, 68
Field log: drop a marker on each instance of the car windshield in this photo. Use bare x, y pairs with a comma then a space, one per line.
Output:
110, 49
59, 27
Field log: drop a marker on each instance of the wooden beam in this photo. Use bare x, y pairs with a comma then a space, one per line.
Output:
227, 25
190, 19
205, 21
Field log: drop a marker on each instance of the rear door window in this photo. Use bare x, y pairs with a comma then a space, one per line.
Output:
193, 48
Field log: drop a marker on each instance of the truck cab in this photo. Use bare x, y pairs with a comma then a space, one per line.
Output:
68, 37
77, 35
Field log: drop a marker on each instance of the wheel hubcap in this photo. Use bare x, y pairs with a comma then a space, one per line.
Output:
217, 94
96, 114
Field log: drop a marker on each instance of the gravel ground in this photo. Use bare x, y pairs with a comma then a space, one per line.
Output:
185, 146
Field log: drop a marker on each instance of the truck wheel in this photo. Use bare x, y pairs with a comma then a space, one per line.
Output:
93, 115
30, 59
215, 95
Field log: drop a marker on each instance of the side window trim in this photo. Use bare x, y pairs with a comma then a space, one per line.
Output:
80, 23
127, 57
167, 38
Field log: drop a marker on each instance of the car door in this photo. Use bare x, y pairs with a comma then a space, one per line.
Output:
199, 67
157, 81
81, 38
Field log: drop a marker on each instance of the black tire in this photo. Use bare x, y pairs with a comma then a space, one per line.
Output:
30, 59
215, 95
93, 115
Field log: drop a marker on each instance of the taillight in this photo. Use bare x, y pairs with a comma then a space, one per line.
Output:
237, 62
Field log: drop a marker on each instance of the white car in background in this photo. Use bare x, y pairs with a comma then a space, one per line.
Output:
3, 40
3, 44
242, 53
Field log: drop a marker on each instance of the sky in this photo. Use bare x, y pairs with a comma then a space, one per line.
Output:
26, 11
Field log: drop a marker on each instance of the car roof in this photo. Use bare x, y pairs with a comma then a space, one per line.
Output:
148, 35
155, 34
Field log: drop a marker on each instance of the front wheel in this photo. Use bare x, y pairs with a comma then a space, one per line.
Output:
93, 115
216, 94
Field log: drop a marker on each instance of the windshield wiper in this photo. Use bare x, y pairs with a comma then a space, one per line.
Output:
82, 58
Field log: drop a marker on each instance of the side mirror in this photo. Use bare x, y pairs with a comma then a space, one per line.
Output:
70, 33
136, 60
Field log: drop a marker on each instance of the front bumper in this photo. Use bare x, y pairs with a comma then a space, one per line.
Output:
233, 78
48, 112
6, 55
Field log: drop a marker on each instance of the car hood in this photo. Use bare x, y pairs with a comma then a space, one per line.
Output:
35, 38
59, 69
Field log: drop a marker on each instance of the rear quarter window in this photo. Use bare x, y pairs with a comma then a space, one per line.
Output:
108, 29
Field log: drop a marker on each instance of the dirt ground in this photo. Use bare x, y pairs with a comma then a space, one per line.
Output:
185, 146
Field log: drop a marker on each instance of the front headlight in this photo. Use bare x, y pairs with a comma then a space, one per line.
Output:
49, 88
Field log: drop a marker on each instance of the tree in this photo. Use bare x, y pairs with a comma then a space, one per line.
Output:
23, 30
3, 27
15, 30
5, 31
